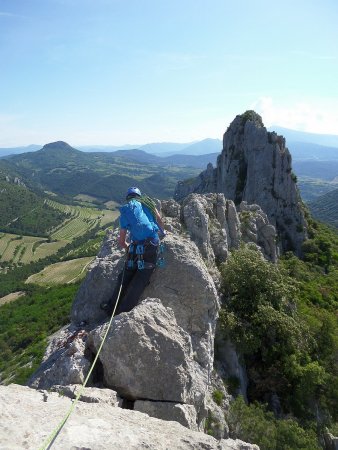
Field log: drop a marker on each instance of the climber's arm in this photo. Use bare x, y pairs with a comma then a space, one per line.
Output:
159, 219
122, 238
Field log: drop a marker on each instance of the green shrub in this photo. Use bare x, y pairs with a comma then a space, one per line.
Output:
218, 397
253, 423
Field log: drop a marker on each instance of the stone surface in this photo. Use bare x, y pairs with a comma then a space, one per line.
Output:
228, 363
256, 228
148, 356
330, 441
215, 226
89, 394
28, 417
99, 283
65, 360
185, 286
255, 166
183, 414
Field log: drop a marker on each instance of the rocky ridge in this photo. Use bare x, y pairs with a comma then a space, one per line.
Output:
255, 167
158, 358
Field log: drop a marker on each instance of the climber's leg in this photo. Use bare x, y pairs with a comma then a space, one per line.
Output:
139, 281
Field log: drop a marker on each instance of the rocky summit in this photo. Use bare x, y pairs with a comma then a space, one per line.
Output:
255, 166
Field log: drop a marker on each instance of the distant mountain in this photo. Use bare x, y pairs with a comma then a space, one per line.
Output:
164, 147
309, 151
203, 147
325, 208
17, 150
329, 140
66, 171
106, 148
198, 161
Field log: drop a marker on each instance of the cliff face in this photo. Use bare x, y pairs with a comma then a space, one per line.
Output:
255, 167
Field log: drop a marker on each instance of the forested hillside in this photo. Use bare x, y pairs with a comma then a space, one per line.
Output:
24, 212
325, 208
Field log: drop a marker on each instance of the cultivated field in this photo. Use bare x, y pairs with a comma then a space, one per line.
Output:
62, 273
81, 219
11, 297
25, 249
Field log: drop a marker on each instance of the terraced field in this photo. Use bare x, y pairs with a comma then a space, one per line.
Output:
26, 249
62, 273
80, 220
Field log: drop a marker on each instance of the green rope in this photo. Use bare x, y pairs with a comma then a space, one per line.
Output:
146, 201
53, 435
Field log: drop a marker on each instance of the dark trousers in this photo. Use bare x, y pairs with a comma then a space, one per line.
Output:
133, 280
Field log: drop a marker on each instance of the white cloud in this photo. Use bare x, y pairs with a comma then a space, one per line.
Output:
303, 116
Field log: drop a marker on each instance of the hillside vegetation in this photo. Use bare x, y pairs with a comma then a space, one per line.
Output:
325, 208
20, 208
283, 321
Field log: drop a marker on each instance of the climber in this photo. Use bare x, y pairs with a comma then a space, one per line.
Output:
142, 220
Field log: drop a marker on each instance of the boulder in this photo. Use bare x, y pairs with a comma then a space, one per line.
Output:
28, 416
99, 283
178, 412
185, 286
65, 361
148, 356
89, 394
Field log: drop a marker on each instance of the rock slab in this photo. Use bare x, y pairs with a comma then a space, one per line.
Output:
28, 416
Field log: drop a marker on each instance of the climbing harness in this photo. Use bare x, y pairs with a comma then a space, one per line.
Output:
137, 249
140, 259
54, 434
160, 256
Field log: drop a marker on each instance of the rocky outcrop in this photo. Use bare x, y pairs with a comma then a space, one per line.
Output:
99, 283
65, 362
27, 416
161, 351
216, 227
148, 356
255, 167
159, 357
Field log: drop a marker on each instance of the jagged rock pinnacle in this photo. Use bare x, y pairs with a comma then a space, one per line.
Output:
255, 167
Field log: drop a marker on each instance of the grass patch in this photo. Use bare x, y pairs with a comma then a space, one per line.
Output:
62, 273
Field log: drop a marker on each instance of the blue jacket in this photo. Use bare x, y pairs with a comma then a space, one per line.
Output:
139, 221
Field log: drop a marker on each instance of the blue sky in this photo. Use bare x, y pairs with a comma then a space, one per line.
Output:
137, 71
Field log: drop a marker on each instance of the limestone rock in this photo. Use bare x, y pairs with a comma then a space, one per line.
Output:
255, 166
216, 424
229, 365
148, 356
65, 360
255, 227
215, 226
28, 416
89, 394
185, 286
99, 283
178, 412
330, 441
